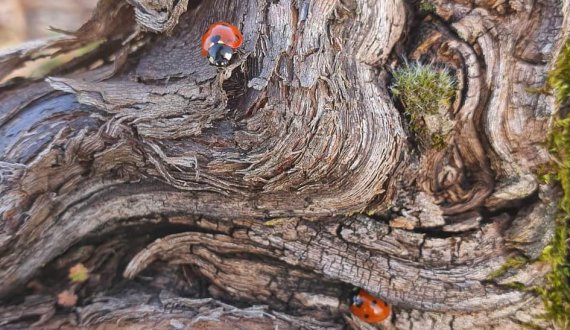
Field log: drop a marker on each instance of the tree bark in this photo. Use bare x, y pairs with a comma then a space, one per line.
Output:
280, 182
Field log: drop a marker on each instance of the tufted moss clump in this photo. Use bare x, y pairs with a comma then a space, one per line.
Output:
426, 93
438, 141
556, 293
423, 89
426, 6
559, 77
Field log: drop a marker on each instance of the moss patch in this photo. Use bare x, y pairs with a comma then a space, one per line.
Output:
423, 89
438, 141
426, 92
556, 293
426, 7
559, 77
519, 287
512, 263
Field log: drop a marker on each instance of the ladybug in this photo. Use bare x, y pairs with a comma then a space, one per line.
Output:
369, 308
220, 42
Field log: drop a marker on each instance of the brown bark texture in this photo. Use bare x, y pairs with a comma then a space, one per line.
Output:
258, 195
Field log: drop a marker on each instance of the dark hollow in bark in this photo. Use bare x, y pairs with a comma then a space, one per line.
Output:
200, 197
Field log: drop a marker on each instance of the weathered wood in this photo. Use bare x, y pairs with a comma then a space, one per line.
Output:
249, 184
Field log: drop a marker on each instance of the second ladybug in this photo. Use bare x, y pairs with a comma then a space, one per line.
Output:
369, 308
220, 42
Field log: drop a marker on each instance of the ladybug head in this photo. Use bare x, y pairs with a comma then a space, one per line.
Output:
220, 55
356, 300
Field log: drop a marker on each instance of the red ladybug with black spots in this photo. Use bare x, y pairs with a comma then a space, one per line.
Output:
220, 43
369, 308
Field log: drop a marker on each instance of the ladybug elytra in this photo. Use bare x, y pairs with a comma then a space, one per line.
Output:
220, 42
369, 308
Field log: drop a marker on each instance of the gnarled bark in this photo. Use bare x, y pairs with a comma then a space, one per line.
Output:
249, 184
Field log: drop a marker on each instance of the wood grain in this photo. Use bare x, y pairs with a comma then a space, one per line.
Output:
255, 179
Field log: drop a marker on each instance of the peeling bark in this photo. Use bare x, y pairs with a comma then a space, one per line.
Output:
173, 181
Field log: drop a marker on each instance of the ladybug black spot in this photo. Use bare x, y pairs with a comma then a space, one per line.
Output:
374, 302
366, 316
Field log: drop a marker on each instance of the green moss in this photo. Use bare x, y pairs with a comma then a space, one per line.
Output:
45, 66
556, 293
426, 7
274, 222
560, 142
512, 263
426, 93
559, 77
519, 286
546, 173
531, 326
438, 141
423, 89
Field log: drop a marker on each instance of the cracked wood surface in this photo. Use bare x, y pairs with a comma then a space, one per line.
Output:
246, 178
